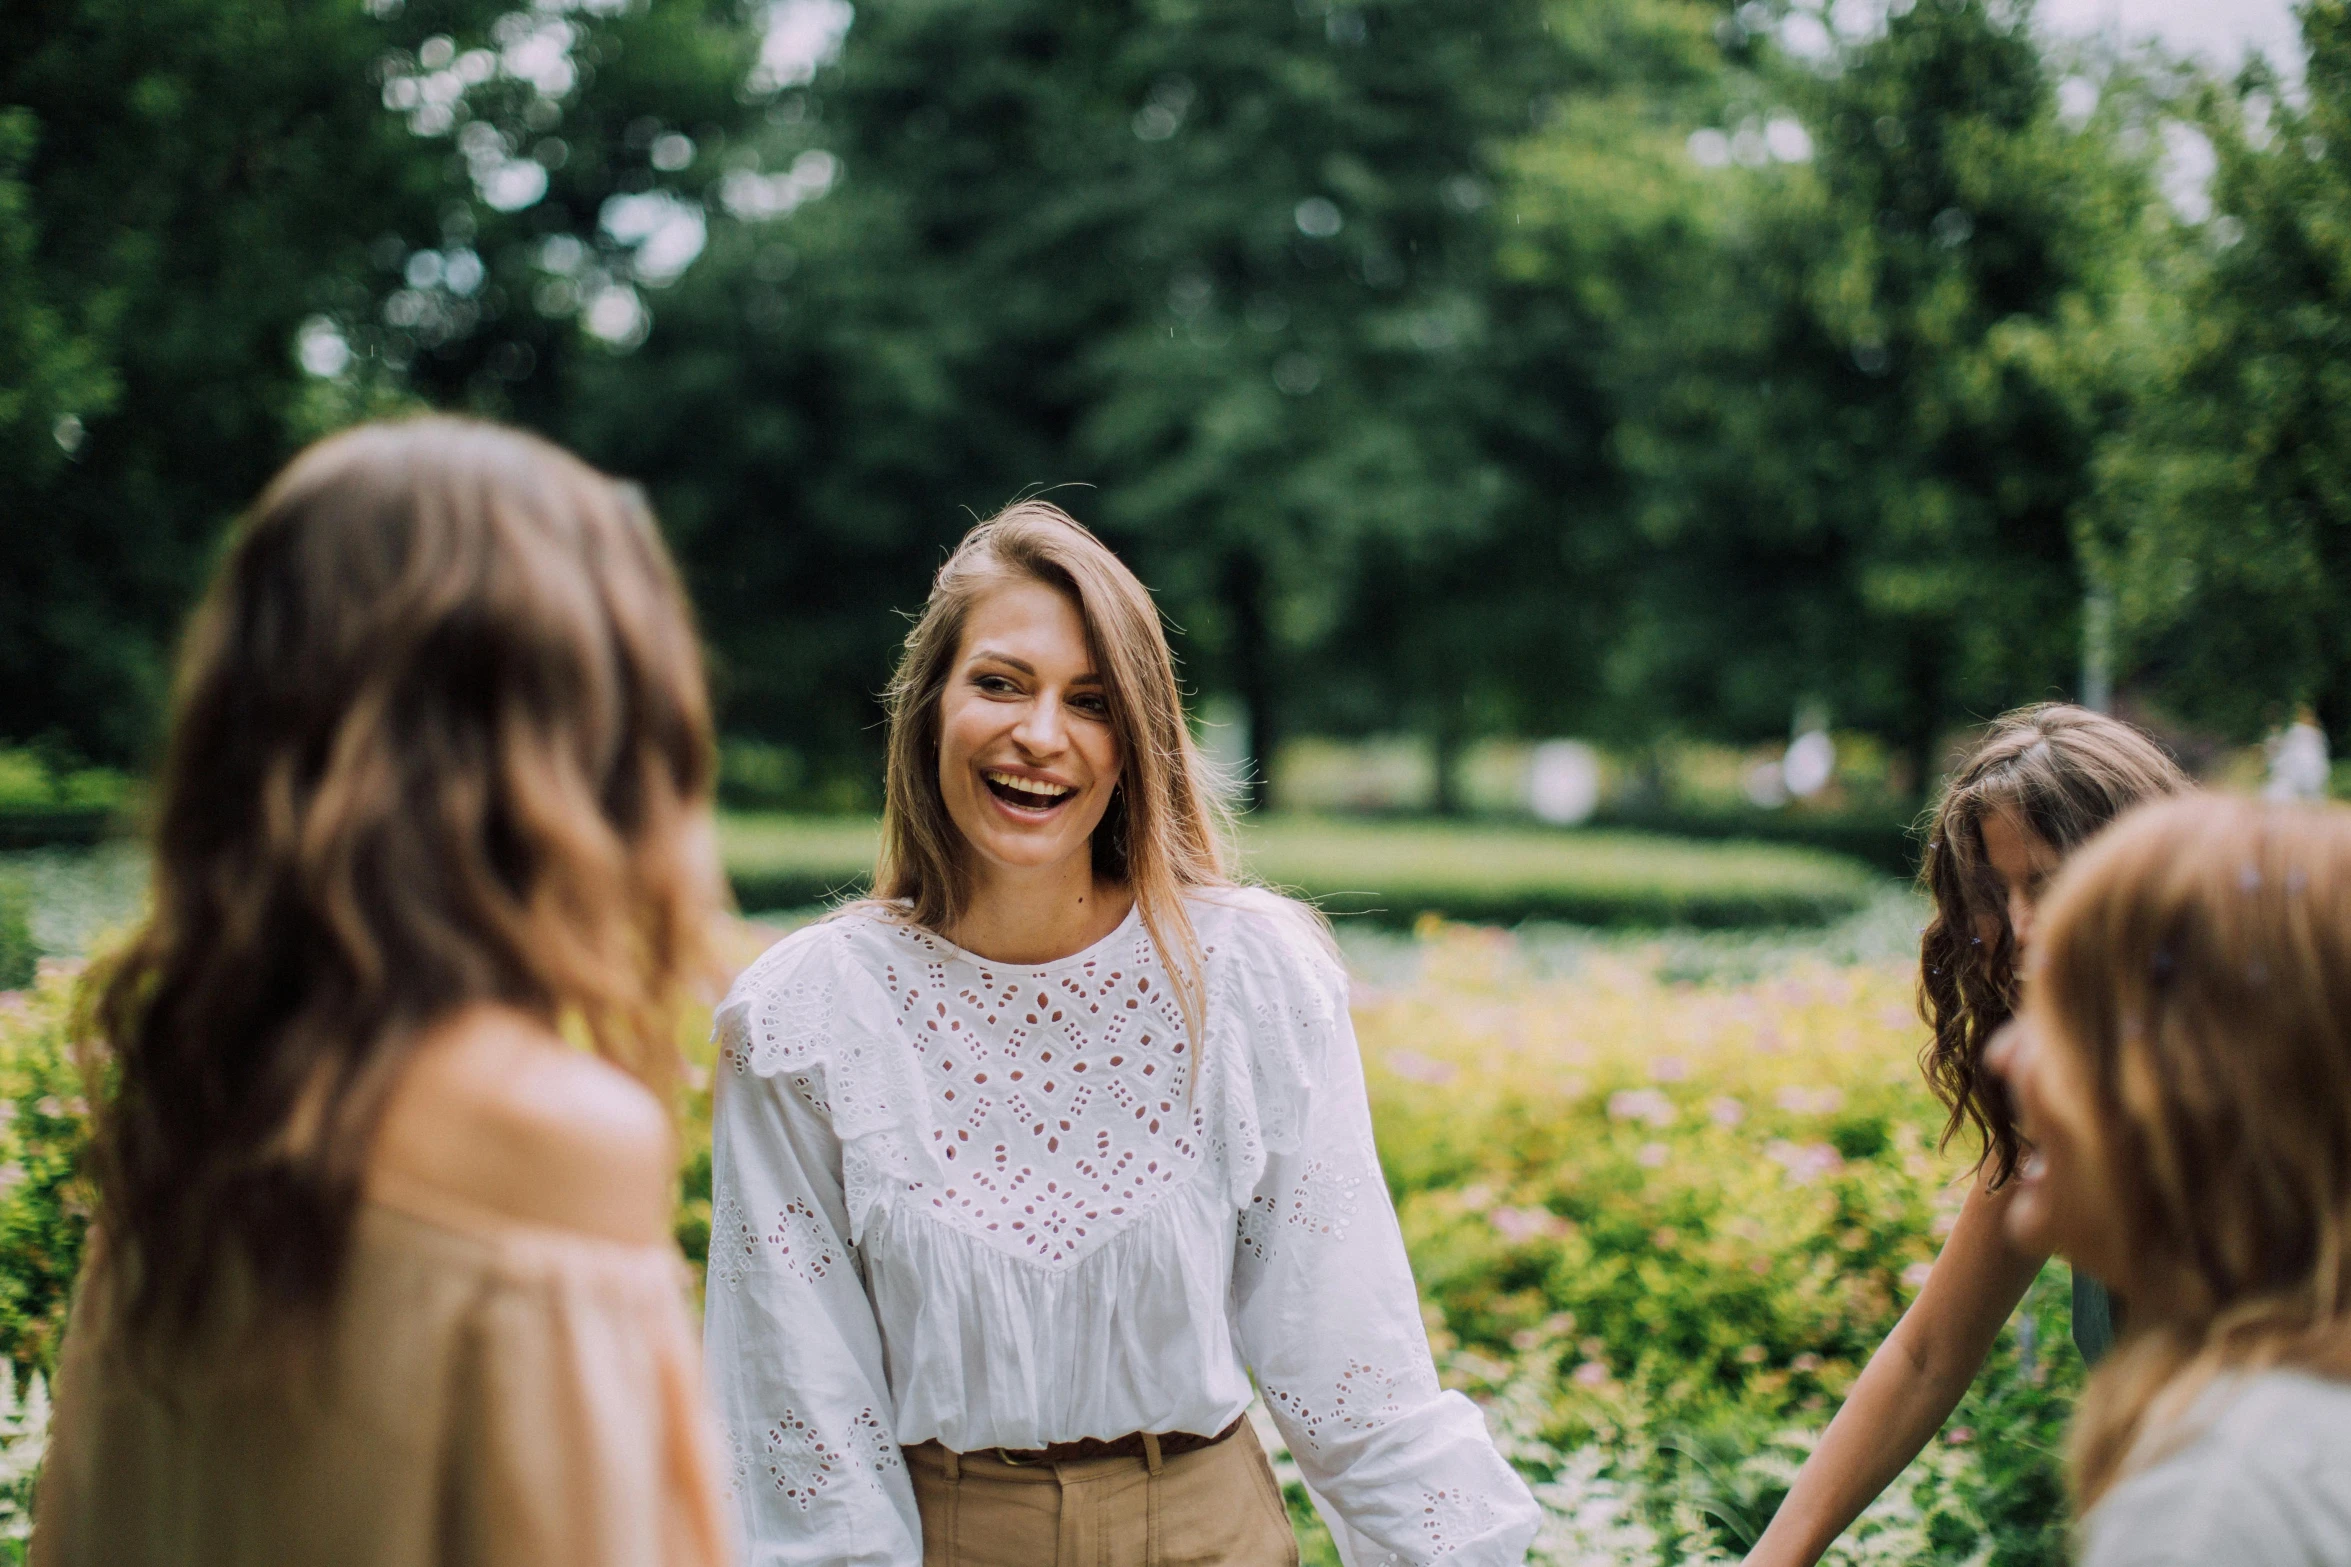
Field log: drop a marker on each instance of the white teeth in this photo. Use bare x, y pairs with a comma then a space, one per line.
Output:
1037, 787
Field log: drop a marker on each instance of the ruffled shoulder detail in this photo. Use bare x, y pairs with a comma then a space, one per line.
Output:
812, 1011
1277, 1009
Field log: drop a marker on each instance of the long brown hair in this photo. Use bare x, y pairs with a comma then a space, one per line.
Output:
440, 737
1161, 835
2067, 772
2196, 964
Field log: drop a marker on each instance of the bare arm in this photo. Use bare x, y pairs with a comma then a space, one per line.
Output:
1909, 1387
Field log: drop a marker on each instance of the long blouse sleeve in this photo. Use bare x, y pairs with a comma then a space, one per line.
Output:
1326, 1313
795, 1356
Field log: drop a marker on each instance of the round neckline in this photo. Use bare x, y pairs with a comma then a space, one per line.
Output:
1084, 954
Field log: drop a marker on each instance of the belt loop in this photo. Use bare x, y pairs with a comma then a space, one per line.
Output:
1151, 1459
954, 1465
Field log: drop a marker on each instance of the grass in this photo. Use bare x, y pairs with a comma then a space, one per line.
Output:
1394, 872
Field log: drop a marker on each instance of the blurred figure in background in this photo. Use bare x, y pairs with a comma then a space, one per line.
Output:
2041, 781
381, 1273
2183, 1071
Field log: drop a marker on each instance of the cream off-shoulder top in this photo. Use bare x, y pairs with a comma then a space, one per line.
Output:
1004, 1205
508, 1374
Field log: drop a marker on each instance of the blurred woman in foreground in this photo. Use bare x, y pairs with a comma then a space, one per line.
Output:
381, 1272
2183, 1070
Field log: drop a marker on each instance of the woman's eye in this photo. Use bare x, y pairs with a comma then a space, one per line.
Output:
1091, 706
994, 684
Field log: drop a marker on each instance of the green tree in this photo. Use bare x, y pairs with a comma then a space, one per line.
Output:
1226, 263
1860, 442
198, 198
2223, 516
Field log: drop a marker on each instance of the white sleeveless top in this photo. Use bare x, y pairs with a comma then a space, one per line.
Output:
990, 1205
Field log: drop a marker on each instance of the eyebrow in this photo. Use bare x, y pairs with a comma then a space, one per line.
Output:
991, 656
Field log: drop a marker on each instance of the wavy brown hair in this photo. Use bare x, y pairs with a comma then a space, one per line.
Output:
2196, 965
1161, 835
440, 737
2066, 772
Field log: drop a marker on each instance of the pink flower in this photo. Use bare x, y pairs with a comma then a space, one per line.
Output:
1726, 1111
1916, 1274
1653, 1155
1414, 1068
1520, 1225
1641, 1104
1669, 1069
1812, 1101
1591, 1374
1804, 1164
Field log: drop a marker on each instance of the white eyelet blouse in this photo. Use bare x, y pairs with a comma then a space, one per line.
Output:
988, 1205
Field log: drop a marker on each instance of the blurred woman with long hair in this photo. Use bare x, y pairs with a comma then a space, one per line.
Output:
381, 1272
2183, 1074
1026, 1165
2039, 783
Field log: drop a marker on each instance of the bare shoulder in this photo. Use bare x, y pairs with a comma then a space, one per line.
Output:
499, 1114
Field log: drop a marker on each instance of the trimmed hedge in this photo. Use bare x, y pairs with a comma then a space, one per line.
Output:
47, 827
1891, 844
1393, 872
1396, 872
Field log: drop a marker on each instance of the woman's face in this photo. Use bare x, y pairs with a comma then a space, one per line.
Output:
1027, 757
2023, 861
2065, 1195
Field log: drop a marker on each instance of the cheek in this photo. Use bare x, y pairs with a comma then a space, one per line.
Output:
1102, 755
963, 729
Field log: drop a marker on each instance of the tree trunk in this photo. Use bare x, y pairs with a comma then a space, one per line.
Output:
1244, 596
1447, 744
1924, 706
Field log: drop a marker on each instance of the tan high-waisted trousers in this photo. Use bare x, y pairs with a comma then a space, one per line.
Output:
1215, 1507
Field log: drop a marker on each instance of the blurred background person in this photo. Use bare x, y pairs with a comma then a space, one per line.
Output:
381, 1271
2183, 1071
2041, 781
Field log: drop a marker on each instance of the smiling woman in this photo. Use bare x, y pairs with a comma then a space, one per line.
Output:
1087, 1123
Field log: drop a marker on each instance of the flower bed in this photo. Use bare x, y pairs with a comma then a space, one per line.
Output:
1658, 1226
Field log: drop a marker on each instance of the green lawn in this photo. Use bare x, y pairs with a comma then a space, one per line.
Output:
1396, 871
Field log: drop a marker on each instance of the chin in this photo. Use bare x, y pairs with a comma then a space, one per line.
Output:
1019, 845
2027, 1222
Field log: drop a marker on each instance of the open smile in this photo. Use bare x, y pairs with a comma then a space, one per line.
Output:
1030, 796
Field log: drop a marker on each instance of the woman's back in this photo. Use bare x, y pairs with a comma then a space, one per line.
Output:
507, 1373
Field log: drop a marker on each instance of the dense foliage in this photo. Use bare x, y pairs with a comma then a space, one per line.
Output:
1662, 1197
1661, 1225
2223, 520
202, 205
1459, 366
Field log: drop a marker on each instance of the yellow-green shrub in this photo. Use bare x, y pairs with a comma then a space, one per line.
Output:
1662, 1226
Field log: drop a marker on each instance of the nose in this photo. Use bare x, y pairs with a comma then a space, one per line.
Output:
2006, 1051
2020, 922
1044, 729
